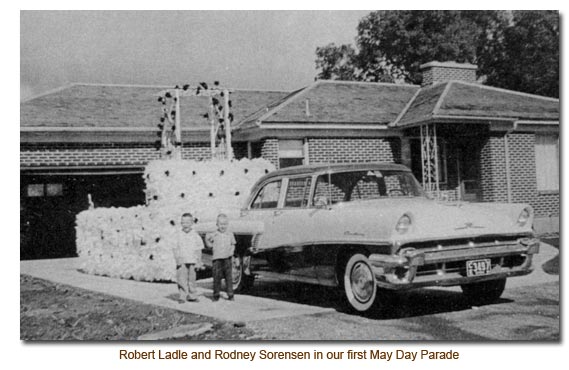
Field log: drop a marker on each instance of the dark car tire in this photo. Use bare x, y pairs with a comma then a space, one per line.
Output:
485, 292
242, 282
360, 289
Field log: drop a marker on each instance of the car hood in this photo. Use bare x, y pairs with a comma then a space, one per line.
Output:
441, 220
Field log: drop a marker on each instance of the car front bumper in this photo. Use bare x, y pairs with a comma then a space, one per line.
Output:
413, 268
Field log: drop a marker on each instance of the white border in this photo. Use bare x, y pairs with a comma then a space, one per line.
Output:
100, 356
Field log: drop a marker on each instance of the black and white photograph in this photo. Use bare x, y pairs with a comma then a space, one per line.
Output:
290, 175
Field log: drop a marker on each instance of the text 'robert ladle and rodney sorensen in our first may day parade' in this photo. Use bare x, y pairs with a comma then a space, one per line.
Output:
289, 355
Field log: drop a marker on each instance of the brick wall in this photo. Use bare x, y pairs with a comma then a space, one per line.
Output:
270, 151
200, 151
354, 150
523, 176
68, 154
521, 147
493, 170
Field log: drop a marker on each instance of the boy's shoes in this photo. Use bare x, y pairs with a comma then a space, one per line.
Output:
192, 299
231, 298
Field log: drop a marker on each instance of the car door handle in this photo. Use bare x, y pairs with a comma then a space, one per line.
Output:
277, 213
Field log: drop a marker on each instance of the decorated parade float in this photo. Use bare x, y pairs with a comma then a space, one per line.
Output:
136, 242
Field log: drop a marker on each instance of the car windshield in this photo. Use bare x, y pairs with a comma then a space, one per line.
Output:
362, 185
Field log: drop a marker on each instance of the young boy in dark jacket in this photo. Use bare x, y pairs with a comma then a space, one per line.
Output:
223, 243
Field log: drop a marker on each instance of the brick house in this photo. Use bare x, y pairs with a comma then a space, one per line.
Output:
462, 140
94, 140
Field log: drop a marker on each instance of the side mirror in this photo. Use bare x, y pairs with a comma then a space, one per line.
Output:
321, 202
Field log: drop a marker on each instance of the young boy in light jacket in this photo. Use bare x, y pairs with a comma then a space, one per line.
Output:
188, 254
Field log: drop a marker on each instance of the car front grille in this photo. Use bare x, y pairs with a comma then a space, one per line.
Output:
464, 242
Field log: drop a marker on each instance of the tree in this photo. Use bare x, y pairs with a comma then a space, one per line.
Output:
518, 51
525, 56
391, 45
408, 39
336, 62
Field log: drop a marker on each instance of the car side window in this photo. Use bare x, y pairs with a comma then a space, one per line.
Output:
393, 183
328, 190
268, 196
297, 192
367, 188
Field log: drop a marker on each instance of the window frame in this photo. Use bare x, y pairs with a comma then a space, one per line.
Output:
44, 190
292, 153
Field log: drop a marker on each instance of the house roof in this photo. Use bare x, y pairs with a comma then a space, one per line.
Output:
127, 106
89, 112
342, 102
462, 100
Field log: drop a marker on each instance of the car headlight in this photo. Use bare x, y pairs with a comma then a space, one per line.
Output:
524, 217
403, 225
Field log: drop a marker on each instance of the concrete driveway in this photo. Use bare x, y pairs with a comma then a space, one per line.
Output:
269, 299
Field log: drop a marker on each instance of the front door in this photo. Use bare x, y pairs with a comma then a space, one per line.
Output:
458, 165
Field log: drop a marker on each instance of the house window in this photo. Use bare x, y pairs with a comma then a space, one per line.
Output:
547, 162
291, 153
41, 190
35, 190
53, 190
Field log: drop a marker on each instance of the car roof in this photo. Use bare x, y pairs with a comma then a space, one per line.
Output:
336, 167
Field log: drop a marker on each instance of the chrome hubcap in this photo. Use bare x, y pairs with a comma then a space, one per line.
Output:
361, 280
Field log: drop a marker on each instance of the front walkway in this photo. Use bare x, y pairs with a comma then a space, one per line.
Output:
244, 308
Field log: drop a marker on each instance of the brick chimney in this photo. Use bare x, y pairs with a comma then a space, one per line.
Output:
434, 72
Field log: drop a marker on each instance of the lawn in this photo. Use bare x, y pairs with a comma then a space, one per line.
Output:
50, 311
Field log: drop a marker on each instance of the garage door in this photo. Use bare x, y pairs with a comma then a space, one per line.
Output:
50, 201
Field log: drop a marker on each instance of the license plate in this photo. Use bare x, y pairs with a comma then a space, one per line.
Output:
478, 267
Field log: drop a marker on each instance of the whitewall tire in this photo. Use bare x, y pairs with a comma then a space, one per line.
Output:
360, 288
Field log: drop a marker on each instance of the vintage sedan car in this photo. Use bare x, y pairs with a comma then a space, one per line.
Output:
369, 228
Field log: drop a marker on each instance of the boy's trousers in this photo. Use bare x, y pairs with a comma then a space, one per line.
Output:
186, 277
222, 269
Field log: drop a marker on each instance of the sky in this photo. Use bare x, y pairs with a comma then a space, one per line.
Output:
268, 50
